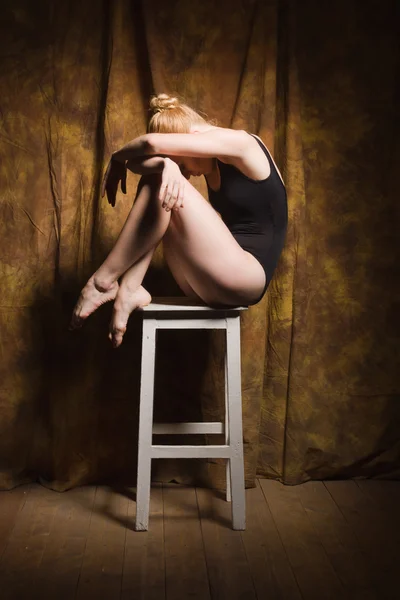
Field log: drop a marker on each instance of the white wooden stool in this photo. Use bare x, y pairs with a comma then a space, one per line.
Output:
183, 313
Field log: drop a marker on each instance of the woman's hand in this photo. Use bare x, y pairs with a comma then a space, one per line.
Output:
172, 186
116, 172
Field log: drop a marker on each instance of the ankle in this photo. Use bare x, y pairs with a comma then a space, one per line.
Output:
102, 283
130, 287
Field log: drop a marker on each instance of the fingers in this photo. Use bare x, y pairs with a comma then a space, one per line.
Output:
111, 189
115, 173
168, 199
123, 182
103, 185
181, 196
172, 195
181, 193
172, 187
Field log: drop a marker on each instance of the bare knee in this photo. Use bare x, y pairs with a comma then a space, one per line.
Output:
149, 183
147, 198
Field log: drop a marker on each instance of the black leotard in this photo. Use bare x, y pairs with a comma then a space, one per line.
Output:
254, 211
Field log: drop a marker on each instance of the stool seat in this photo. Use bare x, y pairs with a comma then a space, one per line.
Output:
184, 304
185, 313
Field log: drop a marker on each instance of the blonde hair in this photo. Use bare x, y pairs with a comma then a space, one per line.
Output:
170, 115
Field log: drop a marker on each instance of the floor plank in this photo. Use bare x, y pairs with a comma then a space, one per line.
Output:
101, 573
60, 567
384, 496
337, 539
373, 529
314, 573
272, 574
186, 569
144, 560
231, 578
26, 545
11, 503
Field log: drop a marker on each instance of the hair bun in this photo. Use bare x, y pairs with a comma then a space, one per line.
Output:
163, 102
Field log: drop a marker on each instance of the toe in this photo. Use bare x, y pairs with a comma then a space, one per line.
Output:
118, 340
77, 322
117, 331
74, 323
117, 337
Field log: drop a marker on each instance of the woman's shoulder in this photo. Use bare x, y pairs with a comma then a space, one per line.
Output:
254, 160
244, 138
236, 143
250, 152
229, 133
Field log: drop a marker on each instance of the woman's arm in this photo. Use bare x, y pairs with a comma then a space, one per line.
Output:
172, 184
218, 142
116, 173
146, 166
171, 181
139, 147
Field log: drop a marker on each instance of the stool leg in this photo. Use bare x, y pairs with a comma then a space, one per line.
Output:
145, 425
226, 425
235, 422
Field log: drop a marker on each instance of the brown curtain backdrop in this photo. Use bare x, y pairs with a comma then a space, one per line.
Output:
319, 83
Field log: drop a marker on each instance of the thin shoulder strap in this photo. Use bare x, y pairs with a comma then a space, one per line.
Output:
268, 154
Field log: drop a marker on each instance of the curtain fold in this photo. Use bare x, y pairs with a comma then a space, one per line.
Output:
320, 353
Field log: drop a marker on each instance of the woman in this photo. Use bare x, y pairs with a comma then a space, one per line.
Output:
221, 260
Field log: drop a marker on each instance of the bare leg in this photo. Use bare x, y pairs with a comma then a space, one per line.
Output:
177, 267
212, 263
131, 295
205, 260
143, 229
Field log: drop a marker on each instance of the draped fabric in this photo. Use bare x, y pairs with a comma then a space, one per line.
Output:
319, 82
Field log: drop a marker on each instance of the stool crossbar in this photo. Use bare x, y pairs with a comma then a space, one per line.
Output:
183, 313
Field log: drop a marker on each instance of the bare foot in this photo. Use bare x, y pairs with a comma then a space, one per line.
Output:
90, 299
125, 302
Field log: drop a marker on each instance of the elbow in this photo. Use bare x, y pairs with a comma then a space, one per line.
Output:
149, 144
140, 146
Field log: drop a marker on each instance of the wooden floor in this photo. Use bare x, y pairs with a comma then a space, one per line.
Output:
318, 540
